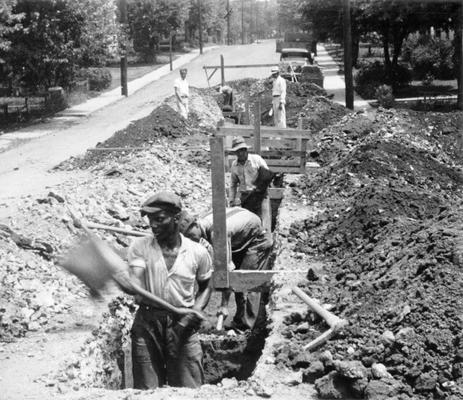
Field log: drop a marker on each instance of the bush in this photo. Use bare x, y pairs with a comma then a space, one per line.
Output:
372, 75
384, 96
430, 55
98, 78
368, 78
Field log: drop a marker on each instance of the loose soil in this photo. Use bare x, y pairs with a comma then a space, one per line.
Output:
374, 235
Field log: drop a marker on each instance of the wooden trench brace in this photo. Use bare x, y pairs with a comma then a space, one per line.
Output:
250, 280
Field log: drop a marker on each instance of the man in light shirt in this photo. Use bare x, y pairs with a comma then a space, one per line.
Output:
165, 345
278, 98
250, 247
182, 93
245, 173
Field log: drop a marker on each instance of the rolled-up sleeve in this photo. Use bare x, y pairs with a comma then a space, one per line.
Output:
205, 267
135, 254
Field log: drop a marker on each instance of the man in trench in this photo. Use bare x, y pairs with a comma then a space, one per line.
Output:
251, 175
182, 93
251, 247
165, 346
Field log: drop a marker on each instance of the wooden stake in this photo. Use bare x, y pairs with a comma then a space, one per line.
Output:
219, 240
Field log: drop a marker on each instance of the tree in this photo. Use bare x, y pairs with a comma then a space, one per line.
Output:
99, 31
151, 20
9, 22
45, 52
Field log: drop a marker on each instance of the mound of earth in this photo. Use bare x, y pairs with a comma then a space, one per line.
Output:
390, 237
163, 122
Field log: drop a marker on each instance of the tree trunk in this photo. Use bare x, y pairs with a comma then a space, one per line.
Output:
387, 57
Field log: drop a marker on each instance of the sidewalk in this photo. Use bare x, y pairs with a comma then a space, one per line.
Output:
333, 81
90, 106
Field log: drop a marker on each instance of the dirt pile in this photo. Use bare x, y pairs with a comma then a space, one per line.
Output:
163, 122
303, 99
390, 235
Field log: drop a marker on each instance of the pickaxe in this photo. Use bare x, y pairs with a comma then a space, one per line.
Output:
335, 323
96, 263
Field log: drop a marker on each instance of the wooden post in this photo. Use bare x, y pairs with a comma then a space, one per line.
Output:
200, 27
303, 150
460, 67
127, 377
170, 50
246, 110
123, 63
222, 71
348, 56
257, 141
219, 240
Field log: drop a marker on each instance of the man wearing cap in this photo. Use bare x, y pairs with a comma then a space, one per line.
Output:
250, 247
246, 173
278, 98
165, 345
182, 92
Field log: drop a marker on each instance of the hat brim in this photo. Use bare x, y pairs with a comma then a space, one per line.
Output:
240, 146
153, 209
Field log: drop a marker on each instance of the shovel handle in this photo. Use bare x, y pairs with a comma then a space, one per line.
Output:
220, 322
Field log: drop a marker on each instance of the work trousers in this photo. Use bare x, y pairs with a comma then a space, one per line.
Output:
160, 355
183, 108
254, 257
279, 116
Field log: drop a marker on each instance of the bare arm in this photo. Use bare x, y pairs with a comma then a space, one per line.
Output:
203, 295
234, 181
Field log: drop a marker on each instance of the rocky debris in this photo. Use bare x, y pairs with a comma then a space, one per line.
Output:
389, 238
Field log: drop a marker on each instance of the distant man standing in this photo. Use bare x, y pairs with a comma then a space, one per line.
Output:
279, 98
182, 92
249, 174
165, 345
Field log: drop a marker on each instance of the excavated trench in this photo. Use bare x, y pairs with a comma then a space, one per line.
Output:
225, 354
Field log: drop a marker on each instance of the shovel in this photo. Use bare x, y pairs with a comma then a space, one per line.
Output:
96, 264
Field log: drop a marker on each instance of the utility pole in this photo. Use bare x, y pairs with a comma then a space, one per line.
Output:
348, 55
228, 22
242, 21
123, 20
200, 28
460, 67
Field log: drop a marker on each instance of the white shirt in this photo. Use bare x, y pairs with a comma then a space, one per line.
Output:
279, 88
177, 285
245, 174
182, 86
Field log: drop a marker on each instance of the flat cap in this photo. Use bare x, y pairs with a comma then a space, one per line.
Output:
161, 201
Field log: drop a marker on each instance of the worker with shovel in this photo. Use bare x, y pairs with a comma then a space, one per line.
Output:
251, 247
162, 271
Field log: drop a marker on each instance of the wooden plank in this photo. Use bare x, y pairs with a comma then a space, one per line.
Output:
304, 155
287, 170
272, 144
239, 66
267, 132
273, 153
275, 193
219, 240
266, 214
283, 163
222, 71
250, 281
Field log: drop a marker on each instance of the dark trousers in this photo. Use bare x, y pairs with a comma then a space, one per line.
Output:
160, 356
254, 257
